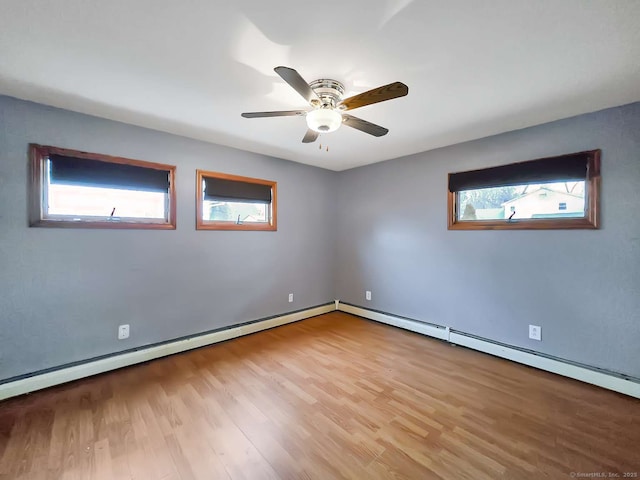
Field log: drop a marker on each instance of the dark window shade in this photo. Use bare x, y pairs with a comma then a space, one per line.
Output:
224, 190
567, 167
94, 173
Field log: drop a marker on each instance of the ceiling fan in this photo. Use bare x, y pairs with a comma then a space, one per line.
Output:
325, 96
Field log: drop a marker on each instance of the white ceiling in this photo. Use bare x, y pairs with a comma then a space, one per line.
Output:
474, 68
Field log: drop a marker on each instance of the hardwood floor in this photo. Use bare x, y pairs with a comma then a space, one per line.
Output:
334, 396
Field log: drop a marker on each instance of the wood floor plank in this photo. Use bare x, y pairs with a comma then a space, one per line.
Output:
334, 396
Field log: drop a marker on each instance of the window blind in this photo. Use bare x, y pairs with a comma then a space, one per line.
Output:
225, 190
94, 173
554, 169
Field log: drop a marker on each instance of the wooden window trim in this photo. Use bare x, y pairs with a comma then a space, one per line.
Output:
222, 225
591, 220
37, 156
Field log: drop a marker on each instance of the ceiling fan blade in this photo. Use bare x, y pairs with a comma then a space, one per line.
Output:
299, 84
377, 95
363, 125
310, 136
281, 113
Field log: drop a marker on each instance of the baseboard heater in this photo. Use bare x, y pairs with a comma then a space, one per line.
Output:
55, 376
617, 382
66, 373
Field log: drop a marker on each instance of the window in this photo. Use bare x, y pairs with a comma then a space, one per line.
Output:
556, 192
230, 202
80, 189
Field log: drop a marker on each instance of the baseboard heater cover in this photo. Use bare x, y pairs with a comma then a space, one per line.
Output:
585, 373
430, 329
68, 373
609, 380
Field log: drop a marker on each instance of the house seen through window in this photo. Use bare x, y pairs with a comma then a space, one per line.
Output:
516, 202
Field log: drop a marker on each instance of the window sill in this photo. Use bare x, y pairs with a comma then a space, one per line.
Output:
48, 223
235, 226
528, 224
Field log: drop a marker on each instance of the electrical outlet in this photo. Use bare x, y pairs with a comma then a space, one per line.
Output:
367, 295
290, 297
123, 332
535, 332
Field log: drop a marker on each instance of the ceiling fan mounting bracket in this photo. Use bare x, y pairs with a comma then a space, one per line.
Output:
329, 91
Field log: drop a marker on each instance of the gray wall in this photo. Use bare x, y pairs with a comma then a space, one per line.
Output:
381, 227
582, 287
63, 292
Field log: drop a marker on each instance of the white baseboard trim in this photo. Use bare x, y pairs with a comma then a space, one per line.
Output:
587, 375
64, 375
424, 328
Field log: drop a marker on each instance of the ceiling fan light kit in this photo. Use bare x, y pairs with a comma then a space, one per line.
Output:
324, 120
325, 96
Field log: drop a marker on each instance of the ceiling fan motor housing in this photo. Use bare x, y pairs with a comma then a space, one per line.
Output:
329, 91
